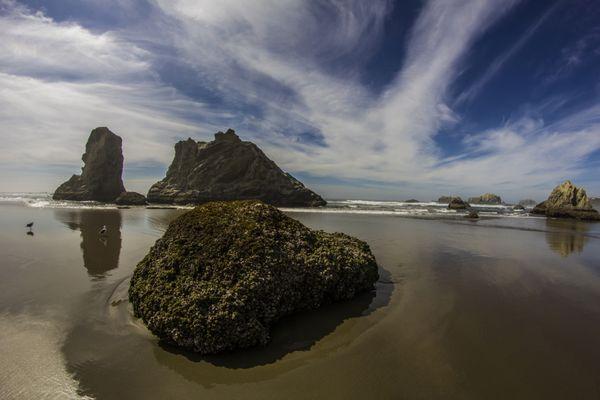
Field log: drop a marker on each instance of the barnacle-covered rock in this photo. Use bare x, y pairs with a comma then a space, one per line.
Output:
224, 272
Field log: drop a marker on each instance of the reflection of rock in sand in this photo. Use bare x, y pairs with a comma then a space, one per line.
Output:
566, 236
100, 252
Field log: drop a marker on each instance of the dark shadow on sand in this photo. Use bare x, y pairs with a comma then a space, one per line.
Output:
299, 332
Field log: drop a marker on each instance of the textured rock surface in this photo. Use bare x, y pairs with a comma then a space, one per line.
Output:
131, 199
100, 178
458, 204
488, 198
224, 272
567, 201
228, 169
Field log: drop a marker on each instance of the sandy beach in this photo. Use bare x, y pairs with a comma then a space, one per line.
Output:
502, 307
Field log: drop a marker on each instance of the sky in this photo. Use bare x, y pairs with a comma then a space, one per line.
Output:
358, 99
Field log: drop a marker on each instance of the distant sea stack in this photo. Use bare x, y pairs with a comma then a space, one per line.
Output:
456, 203
567, 201
228, 169
100, 178
488, 198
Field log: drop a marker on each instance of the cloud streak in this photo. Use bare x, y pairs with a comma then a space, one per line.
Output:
286, 75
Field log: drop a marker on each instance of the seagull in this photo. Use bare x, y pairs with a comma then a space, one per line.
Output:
103, 230
29, 225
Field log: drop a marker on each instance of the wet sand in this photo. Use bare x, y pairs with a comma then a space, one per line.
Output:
497, 308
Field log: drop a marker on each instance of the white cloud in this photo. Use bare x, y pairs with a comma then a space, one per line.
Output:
283, 57
35, 45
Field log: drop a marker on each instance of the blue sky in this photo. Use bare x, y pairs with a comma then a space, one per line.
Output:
374, 100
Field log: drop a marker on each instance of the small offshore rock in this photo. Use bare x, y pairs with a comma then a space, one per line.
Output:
225, 272
472, 215
458, 204
131, 199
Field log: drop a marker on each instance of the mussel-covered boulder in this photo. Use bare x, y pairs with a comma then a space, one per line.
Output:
567, 201
224, 272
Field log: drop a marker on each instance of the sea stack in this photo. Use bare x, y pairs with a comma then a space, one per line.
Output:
100, 178
225, 272
488, 198
228, 169
456, 203
567, 201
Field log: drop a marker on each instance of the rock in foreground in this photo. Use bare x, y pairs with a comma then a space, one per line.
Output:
224, 272
100, 178
567, 201
228, 169
488, 198
131, 199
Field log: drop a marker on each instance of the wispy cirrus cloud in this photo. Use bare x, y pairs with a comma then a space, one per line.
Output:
286, 75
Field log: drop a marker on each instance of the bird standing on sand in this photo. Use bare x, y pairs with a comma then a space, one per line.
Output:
29, 225
103, 230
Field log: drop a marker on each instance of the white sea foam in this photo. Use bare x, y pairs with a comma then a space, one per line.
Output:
370, 207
